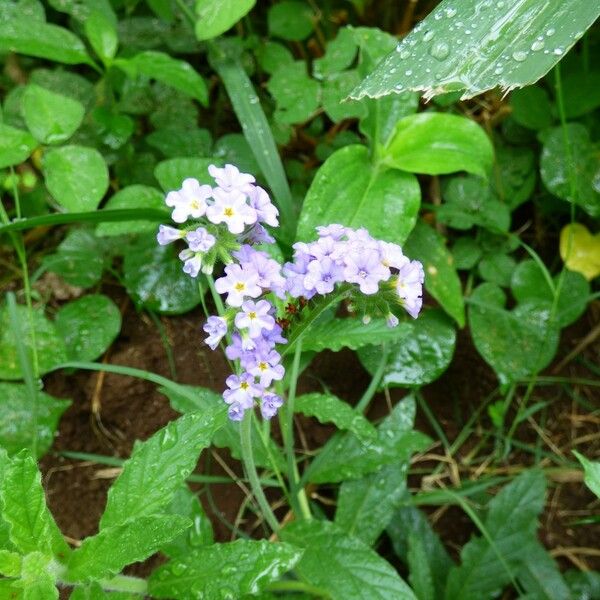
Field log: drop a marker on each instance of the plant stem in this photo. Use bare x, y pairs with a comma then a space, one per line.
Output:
250, 467
375, 381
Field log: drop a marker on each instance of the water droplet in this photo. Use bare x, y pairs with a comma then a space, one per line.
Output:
439, 50
500, 4
450, 12
519, 55
168, 438
537, 45
551, 32
428, 36
228, 570
498, 70
404, 54
558, 51
408, 73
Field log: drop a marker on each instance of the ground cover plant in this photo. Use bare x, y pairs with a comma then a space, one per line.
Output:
299, 299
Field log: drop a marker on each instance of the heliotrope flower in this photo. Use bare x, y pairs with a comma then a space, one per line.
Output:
192, 262
238, 283
269, 405
167, 234
242, 389
255, 317
189, 201
231, 208
216, 327
322, 275
265, 365
409, 287
199, 240
366, 269
261, 203
230, 179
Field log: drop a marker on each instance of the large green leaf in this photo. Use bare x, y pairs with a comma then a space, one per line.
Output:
224, 570
76, 176
171, 173
421, 357
441, 279
477, 45
158, 467
343, 566
347, 189
511, 523
108, 552
102, 34
540, 576
21, 421
36, 38
592, 472
438, 143
217, 16
290, 20
15, 145
52, 118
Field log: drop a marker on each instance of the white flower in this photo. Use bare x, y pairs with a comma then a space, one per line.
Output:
265, 209
238, 283
231, 208
200, 240
189, 201
409, 287
392, 256
230, 179
192, 261
255, 317
167, 234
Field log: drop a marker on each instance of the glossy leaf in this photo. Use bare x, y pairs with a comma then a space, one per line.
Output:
466, 252
421, 357
439, 143
347, 189
581, 92
340, 53
514, 175
80, 10
101, 32
93, 591
291, 20
580, 250
18, 425
421, 574
88, 326
531, 107
477, 45
158, 467
335, 91
245, 567
327, 408
592, 472
217, 16
540, 576
15, 145
497, 268
76, 176
343, 566
171, 173
441, 279
177, 141
108, 552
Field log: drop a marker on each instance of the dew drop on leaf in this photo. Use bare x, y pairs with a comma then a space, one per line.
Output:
519, 55
440, 50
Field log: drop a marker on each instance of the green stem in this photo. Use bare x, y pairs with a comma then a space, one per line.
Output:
250, 467
375, 381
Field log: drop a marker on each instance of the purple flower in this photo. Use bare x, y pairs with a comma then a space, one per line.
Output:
167, 234
259, 235
268, 270
261, 203
392, 320
366, 270
231, 208
392, 256
230, 179
255, 317
409, 287
216, 327
235, 411
200, 240
322, 275
336, 231
266, 367
238, 283
192, 262
295, 273
326, 247
242, 389
189, 201
269, 405
274, 336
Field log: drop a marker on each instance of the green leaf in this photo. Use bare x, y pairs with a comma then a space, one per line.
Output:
108, 552
15, 145
540, 576
497, 268
31, 526
421, 575
343, 566
290, 20
529, 283
77, 177
348, 190
421, 357
511, 523
581, 92
339, 54
81, 10
32, 9
21, 421
516, 343
177, 141
335, 90
439, 143
158, 467
10, 563
583, 585
93, 591
52, 118
245, 567
49, 345
171, 173
466, 252
154, 278
133, 196
37, 581
35, 38
66, 83
88, 326
531, 107
476, 45
557, 170
327, 408
217, 16
441, 279
346, 456
514, 175
175, 73
592, 472
101, 32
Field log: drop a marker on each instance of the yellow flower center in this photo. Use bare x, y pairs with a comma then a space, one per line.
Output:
244, 385
228, 212
240, 287
263, 366
195, 204
252, 315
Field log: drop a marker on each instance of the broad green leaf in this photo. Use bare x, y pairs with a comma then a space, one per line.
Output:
158, 467
224, 570
37, 581
346, 456
15, 145
580, 163
93, 591
177, 141
112, 128
101, 32
511, 522
347, 189
49, 345
290, 20
439, 143
421, 357
592, 473
581, 92
175, 73
528, 283
531, 107
108, 552
540, 576
516, 343
154, 278
35, 38
466, 252
31, 9
421, 574
233, 148
217, 16
133, 196
76, 176
21, 421
583, 585
514, 175
51, 118
580, 250
10, 563
343, 566
339, 54
66, 83
271, 56
82, 9
477, 45
497, 268
4, 526
335, 90
88, 326
441, 279
327, 408
31, 526
171, 173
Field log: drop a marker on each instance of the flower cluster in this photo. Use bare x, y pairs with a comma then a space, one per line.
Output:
376, 274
